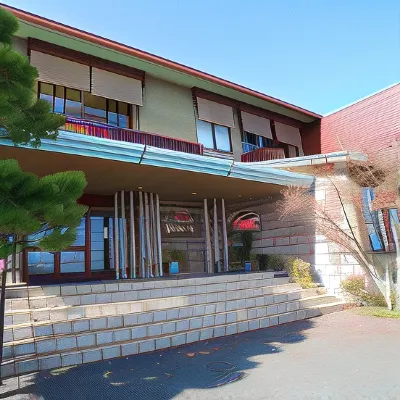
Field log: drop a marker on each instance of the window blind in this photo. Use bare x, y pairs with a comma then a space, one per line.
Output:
289, 135
60, 71
255, 124
215, 112
116, 87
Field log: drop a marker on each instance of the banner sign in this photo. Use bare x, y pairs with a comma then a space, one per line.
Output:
247, 221
180, 223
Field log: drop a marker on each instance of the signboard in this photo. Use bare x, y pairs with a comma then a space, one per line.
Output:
180, 223
247, 221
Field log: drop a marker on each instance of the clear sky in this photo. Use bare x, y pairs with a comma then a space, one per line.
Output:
317, 54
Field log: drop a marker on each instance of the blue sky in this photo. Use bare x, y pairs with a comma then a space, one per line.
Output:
318, 54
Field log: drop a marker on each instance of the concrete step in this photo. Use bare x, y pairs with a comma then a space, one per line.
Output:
316, 300
24, 291
135, 328
128, 292
322, 309
25, 364
59, 319
311, 292
68, 312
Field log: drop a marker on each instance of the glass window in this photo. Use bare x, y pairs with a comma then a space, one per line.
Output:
46, 93
205, 134
80, 233
72, 261
222, 138
59, 100
95, 107
73, 105
40, 262
123, 121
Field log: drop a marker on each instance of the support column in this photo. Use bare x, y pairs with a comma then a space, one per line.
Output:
132, 244
124, 242
159, 246
216, 239
225, 237
147, 230
141, 237
208, 237
154, 235
116, 237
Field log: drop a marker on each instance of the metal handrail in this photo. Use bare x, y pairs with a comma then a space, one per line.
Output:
263, 154
111, 132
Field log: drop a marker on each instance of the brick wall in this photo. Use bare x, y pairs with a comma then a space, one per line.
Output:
330, 264
372, 123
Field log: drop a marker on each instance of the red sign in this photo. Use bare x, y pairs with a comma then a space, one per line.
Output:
247, 221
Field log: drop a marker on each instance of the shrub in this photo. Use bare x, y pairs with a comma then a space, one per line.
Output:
299, 271
275, 262
262, 261
355, 291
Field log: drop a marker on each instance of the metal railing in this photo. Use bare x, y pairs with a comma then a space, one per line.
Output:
106, 131
263, 154
247, 147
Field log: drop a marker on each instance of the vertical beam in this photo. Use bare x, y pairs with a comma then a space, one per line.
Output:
159, 246
216, 238
148, 245
154, 235
116, 237
225, 236
124, 241
132, 244
141, 237
208, 238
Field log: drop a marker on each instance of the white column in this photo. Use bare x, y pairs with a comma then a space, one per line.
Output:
225, 236
141, 237
116, 237
147, 229
124, 242
132, 259
154, 234
208, 237
216, 238
159, 246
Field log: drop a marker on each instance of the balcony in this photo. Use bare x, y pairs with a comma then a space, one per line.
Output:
252, 153
105, 131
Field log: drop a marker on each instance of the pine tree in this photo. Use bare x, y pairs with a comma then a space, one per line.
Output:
44, 208
23, 118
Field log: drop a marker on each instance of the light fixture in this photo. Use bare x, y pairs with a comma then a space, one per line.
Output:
140, 187
240, 196
193, 193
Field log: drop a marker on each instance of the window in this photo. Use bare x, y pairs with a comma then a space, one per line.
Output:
68, 101
257, 140
213, 136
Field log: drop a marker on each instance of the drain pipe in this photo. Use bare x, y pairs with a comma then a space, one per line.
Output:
132, 269
225, 237
159, 245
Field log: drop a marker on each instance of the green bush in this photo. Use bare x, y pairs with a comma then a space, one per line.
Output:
262, 261
299, 271
355, 291
275, 262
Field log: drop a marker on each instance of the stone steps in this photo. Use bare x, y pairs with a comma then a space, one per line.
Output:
55, 321
69, 312
26, 292
129, 294
141, 328
55, 326
25, 364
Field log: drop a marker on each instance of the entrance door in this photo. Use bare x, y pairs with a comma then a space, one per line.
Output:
101, 242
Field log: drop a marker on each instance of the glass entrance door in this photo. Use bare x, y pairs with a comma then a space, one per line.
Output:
101, 242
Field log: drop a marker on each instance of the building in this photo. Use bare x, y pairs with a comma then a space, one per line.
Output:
166, 150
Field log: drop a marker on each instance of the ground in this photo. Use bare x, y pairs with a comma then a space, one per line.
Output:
338, 356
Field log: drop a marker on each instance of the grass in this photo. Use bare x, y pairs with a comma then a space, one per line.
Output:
381, 312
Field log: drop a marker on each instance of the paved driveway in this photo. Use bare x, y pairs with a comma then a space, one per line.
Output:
338, 356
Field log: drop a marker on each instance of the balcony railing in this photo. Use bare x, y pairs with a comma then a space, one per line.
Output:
132, 136
263, 154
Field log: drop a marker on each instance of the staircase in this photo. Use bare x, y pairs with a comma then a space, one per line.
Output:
57, 326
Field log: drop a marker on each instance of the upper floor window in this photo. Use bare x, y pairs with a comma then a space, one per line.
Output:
214, 136
257, 140
76, 103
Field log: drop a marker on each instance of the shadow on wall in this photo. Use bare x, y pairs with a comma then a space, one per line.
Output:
165, 374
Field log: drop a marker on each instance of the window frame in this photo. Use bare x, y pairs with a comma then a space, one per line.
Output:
129, 115
214, 139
